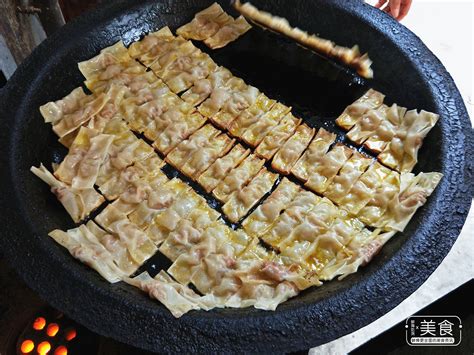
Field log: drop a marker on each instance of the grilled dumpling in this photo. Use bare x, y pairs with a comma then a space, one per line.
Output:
267, 213
277, 136
256, 132
326, 169
78, 203
413, 193
364, 188
80, 167
112, 65
154, 45
384, 133
205, 23
201, 159
228, 33
243, 200
347, 177
313, 155
221, 167
84, 246
370, 100
238, 178
182, 152
203, 88
401, 153
290, 152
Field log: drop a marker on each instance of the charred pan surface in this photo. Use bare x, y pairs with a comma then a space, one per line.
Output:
405, 70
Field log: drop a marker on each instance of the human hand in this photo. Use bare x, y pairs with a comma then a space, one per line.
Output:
397, 8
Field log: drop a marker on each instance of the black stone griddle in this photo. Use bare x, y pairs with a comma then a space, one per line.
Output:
405, 70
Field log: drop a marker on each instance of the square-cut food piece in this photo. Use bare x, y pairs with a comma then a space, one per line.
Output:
370, 100
219, 96
290, 152
414, 191
347, 177
109, 56
401, 153
315, 222
55, 111
178, 131
154, 115
277, 136
361, 249
369, 123
116, 247
238, 178
200, 160
228, 33
202, 88
167, 62
187, 70
253, 282
263, 217
132, 77
167, 221
178, 299
183, 151
314, 249
157, 201
125, 150
81, 165
76, 109
139, 245
175, 117
291, 217
378, 204
323, 173
232, 102
313, 155
78, 203
205, 23
382, 134
364, 188
243, 200
112, 65
221, 167
218, 242
135, 185
250, 116
191, 231
84, 246
154, 45
255, 133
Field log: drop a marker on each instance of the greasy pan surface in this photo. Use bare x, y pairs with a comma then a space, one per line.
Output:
405, 70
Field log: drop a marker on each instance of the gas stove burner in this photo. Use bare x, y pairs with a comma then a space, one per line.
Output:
51, 332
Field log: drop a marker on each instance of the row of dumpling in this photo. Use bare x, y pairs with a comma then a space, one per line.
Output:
149, 212
150, 107
392, 132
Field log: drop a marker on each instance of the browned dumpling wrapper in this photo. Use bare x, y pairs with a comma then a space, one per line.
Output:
348, 56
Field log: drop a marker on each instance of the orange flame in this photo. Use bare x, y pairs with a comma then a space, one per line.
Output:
70, 334
52, 329
44, 348
27, 346
60, 350
39, 323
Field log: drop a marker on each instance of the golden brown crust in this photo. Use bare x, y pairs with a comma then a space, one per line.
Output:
348, 56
